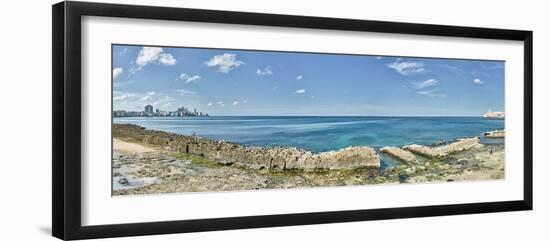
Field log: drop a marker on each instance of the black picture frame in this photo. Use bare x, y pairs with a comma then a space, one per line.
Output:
66, 127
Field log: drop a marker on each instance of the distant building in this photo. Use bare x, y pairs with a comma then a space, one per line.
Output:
149, 109
119, 113
493, 115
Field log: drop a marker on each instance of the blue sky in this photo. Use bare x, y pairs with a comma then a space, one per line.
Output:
236, 82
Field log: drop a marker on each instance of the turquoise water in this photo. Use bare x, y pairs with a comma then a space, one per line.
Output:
319, 134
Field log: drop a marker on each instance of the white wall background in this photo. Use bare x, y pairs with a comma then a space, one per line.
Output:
25, 123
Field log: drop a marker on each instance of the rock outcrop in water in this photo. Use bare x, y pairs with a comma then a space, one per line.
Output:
494, 134
444, 150
399, 153
254, 157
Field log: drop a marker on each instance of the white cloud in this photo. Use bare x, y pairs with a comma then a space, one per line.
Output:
299, 77
265, 71
148, 96
167, 59
184, 92
407, 68
235, 102
300, 91
224, 62
117, 72
188, 78
149, 55
432, 93
478, 81
136, 101
120, 96
210, 104
425, 83
220, 104
124, 51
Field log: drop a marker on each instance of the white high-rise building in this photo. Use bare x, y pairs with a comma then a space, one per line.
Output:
494, 114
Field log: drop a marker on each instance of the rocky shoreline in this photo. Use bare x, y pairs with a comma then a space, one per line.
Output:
177, 163
282, 158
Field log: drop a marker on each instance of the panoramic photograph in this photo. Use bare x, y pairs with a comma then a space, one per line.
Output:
210, 120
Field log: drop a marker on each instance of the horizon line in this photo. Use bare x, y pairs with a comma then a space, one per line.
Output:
318, 116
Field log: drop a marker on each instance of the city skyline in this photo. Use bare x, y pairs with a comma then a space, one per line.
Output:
151, 111
238, 82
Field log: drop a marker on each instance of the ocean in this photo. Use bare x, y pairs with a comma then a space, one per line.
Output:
318, 134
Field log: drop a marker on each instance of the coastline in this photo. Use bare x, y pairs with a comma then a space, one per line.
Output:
147, 161
321, 134
254, 157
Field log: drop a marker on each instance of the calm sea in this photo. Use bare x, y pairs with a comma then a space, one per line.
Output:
319, 134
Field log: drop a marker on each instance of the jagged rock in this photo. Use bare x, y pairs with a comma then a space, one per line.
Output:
350, 157
399, 153
494, 134
254, 157
444, 150
422, 150
460, 145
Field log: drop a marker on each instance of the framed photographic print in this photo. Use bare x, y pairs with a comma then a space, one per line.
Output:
169, 120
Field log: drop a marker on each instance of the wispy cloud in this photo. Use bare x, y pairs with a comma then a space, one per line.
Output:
224, 62
432, 93
452, 68
123, 52
299, 77
266, 71
120, 96
300, 91
187, 78
407, 68
220, 104
136, 101
236, 102
149, 55
117, 72
477, 81
148, 96
184, 92
425, 83
210, 103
